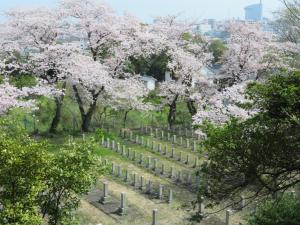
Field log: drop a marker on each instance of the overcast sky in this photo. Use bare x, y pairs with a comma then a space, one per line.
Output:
147, 9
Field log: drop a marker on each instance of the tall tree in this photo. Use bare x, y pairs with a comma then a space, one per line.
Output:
263, 150
109, 39
32, 32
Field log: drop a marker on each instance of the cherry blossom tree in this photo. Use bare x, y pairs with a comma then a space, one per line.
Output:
251, 54
32, 32
186, 58
109, 40
12, 97
129, 94
88, 79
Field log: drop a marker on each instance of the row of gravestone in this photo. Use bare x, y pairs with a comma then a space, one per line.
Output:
158, 148
122, 210
173, 139
151, 191
183, 177
159, 133
180, 131
139, 182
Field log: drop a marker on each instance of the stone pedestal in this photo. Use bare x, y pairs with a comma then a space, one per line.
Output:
122, 209
154, 217
105, 198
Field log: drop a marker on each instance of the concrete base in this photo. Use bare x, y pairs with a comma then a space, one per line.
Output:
105, 200
121, 211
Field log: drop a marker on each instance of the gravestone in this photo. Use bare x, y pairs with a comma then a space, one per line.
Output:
107, 143
187, 143
154, 165
134, 155
180, 157
160, 192
194, 146
154, 217
243, 201
201, 206
173, 153
137, 139
134, 180
196, 162
149, 162
141, 159
142, 140
105, 198
227, 217
118, 147
174, 139
126, 176
172, 172
187, 159
170, 196
131, 136
123, 150
113, 147
123, 204
119, 171
159, 148
162, 169
142, 182
149, 187
113, 168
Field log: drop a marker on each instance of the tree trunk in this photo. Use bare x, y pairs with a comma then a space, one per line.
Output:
86, 117
56, 119
191, 106
172, 113
57, 116
125, 117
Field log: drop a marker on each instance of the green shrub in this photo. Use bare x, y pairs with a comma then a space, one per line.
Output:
286, 211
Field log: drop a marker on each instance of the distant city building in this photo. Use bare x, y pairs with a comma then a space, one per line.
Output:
254, 12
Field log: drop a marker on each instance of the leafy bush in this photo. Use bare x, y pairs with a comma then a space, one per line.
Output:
282, 212
39, 186
99, 134
262, 150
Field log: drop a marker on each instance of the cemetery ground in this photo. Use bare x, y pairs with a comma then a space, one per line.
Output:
173, 166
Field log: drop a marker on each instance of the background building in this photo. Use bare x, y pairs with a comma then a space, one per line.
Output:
254, 12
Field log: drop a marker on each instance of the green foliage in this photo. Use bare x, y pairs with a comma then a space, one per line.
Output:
155, 66
153, 98
279, 96
23, 167
37, 185
23, 80
1, 79
100, 133
217, 48
263, 150
71, 174
284, 211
